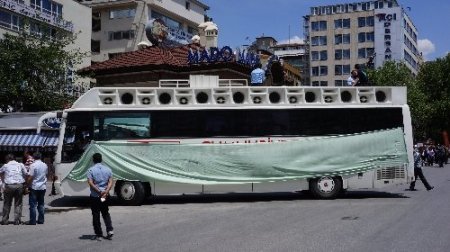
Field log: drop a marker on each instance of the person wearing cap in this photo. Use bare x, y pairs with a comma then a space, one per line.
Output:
37, 181
14, 175
100, 182
418, 172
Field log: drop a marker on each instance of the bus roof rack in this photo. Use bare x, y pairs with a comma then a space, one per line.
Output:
238, 96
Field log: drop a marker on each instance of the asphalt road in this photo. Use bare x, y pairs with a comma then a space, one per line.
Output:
388, 220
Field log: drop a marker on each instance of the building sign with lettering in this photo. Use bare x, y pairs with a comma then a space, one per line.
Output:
387, 19
388, 35
225, 54
248, 58
213, 55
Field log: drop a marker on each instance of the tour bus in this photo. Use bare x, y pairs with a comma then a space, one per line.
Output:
208, 135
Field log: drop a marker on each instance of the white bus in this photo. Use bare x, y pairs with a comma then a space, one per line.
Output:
225, 138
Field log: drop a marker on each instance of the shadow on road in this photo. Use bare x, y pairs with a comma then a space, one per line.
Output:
76, 203
87, 237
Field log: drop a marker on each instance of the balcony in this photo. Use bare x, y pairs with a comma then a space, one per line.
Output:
30, 12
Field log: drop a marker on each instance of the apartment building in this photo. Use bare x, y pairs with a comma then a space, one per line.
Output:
294, 56
49, 17
119, 25
342, 35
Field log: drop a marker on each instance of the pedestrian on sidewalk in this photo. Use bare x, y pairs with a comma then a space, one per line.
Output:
37, 181
100, 182
418, 172
14, 175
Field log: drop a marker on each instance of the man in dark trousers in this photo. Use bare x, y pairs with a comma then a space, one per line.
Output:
100, 182
362, 76
14, 175
37, 181
418, 172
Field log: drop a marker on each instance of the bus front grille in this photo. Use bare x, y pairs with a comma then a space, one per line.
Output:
397, 172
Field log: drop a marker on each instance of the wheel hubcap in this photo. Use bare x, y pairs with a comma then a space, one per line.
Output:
326, 184
127, 190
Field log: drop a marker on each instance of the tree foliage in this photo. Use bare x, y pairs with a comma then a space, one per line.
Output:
431, 100
391, 73
428, 93
33, 71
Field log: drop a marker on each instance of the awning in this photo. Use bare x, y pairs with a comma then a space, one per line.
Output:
12, 140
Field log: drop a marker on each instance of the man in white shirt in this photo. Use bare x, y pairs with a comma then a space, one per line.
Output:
353, 79
37, 181
14, 175
258, 76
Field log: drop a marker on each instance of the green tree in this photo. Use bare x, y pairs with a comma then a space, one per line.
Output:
431, 100
33, 71
391, 73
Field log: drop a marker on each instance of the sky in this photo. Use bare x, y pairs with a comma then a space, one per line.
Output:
241, 21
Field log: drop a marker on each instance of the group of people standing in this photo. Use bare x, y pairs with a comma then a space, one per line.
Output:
358, 77
30, 178
432, 154
19, 179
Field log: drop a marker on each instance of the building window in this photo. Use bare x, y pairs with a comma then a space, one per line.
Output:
346, 54
319, 41
361, 37
319, 26
361, 21
95, 46
370, 21
342, 54
342, 23
171, 23
122, 13
114, 55
365, 52
119, 35
346, 38
338, 39
314, 56
323, 55
342, 39
342, 70
366, 37
323, 70
192, 30
315, 72
316, 83
362, 53
11, 21
188, 5
366, 21
96, 21
35, 29
340, 83
47, 6
324, 83
370, 36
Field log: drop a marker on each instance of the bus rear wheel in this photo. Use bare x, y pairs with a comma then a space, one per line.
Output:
325, 187
130, 192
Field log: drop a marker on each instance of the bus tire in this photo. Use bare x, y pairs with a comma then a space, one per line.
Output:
325, 187
130, 193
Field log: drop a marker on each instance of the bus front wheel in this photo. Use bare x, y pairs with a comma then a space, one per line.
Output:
325, 187
130, 192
